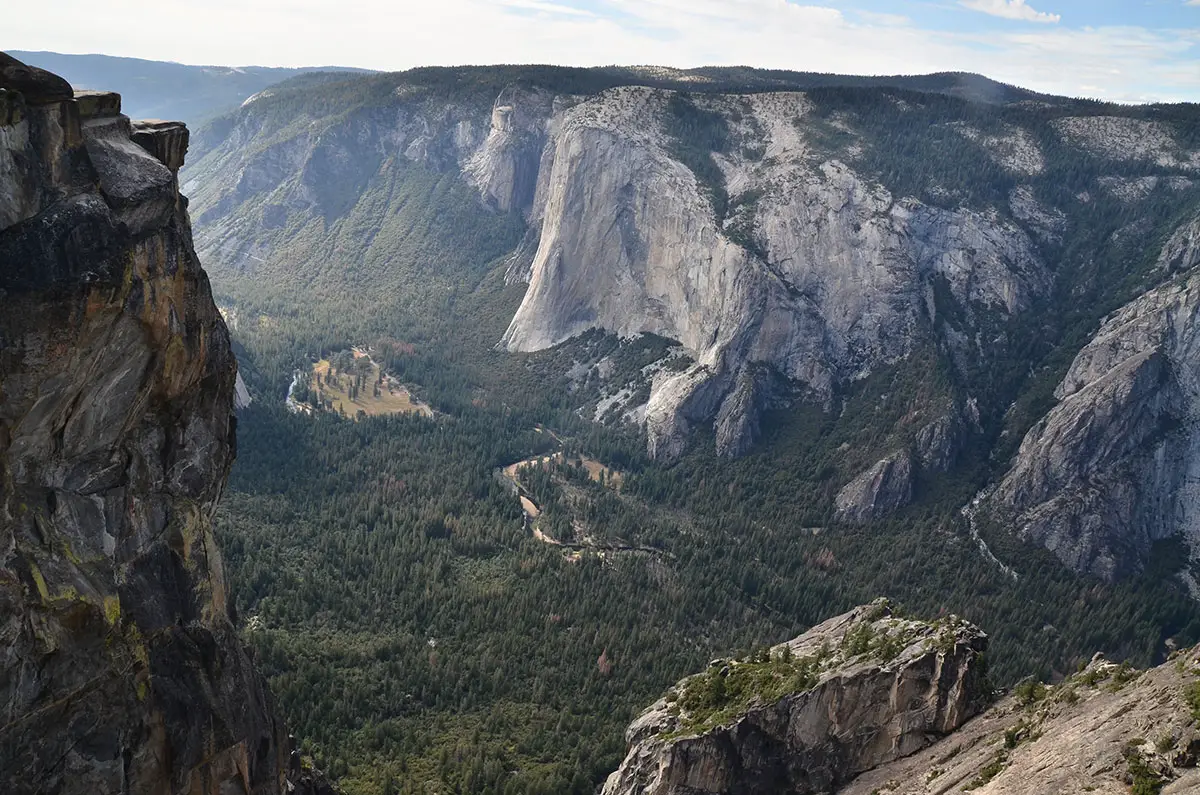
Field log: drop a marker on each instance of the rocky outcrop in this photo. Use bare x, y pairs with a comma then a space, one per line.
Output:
1102, 730
877, 492
854, 692
939, 444
1127, 139
1182, 250
241, 394
1114, 465
121, 670
833, 286
890, 484
916, 724
36, 86
505, 168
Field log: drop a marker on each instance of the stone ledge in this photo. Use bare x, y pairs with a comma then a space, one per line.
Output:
98, 104
166, 140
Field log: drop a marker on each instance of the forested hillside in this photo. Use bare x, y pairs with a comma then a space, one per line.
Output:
415, 617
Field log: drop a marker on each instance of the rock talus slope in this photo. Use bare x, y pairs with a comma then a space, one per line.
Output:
855, 692
121, 671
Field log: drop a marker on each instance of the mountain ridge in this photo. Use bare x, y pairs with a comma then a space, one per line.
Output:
403, 213
166, 89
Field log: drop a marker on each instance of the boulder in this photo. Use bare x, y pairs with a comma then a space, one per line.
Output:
38, 86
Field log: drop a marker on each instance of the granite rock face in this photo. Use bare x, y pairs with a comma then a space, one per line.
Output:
1114, 465
1182, 250
834, 284
815, 273
877, 492
121, 671
911, 727
505, 167
36, 86
1090, 733
859, 690
785, 261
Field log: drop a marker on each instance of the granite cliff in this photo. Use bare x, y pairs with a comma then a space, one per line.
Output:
816, 273
1113, 466
121, 671
872, 704
791, 236
808, 268
808, 716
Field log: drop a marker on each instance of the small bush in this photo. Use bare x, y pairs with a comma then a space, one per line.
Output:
1145, 780
858, 640
1029, 692
888, 647
989, 772
1191, 697
1125, 673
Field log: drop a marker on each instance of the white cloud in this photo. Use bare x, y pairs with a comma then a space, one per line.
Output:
894, 20
1117, 63
1010, 9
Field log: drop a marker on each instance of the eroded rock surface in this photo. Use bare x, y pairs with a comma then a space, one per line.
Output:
833, 286
913, 725
1114, 465
1101, 731
877, 492
1182, 250
121, 671
852, 693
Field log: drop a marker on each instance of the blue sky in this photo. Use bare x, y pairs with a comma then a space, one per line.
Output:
1122, 50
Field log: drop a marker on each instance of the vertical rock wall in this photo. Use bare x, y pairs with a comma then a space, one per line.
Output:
120, 671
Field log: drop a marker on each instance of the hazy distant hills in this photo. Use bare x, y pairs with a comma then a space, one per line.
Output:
162, 89
196, 94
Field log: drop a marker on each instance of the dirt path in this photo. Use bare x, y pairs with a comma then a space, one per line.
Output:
533, 511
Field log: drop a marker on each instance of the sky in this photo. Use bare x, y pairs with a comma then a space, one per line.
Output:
1120, 50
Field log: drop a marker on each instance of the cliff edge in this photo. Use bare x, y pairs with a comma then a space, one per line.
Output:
807, 716
869, 703
121, 671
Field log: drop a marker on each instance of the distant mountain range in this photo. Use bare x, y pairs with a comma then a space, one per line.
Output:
162, 89
794, 234
711, 355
